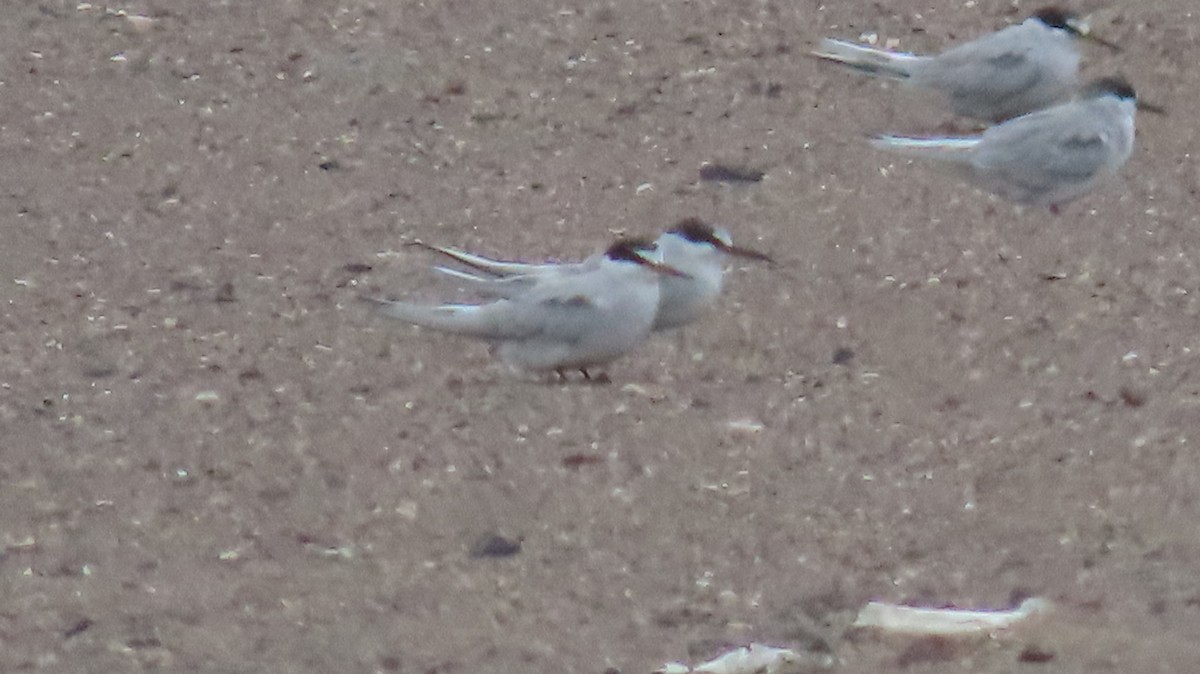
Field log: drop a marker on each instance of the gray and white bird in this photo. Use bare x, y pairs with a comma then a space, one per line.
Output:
1044, 158
574, 319
691, 246
1019, 69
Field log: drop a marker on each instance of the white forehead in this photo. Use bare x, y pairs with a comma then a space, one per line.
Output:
655, 255
721, 234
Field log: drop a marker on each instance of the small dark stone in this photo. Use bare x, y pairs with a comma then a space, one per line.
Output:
225, 293
329, 165
356, 268
577, 460
78, 628
1130, 397
250, 374
719, 173
495, 545
99, 370
184, 285
140, 643
1035, 655
842, 356
626, 110
950, 403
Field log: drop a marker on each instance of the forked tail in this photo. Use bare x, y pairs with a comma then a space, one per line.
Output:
490, 286
478, 262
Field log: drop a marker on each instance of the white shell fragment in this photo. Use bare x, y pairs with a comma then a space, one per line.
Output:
945, 621
752, 659
744, 426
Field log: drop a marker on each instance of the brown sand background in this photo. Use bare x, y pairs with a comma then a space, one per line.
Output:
215, 459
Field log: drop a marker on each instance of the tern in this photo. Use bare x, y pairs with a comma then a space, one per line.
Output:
1020, 69
1044, 158
691, 246
588, 315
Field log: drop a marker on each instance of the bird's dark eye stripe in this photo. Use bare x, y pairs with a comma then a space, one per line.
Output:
629, 249
1055, 17
1116, 86
694, 230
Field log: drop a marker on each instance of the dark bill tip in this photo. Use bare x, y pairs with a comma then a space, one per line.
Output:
1092, 37
748, 253
1151, 108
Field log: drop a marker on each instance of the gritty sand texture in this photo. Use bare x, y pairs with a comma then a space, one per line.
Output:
216, 459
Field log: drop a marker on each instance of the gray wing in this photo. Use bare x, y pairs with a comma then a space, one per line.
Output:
563, 308
1042, 151
985, 72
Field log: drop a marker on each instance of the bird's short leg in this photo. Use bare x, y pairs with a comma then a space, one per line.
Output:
584, 372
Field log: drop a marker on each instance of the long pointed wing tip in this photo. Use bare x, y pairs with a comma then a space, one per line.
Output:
373, 300
881, 140
417, 243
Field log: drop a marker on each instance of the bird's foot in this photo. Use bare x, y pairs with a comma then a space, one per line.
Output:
599, 379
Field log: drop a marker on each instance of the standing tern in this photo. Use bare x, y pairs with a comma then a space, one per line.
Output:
691, 246
576, 319
1019, 69
1044, 158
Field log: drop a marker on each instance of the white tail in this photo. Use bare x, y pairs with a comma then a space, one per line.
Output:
869, 60
460, 319
946, 149
464, 275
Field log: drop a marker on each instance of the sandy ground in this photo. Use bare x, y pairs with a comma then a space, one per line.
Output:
216, 459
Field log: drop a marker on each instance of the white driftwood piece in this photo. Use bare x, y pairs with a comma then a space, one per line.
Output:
945, 621
752, 659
